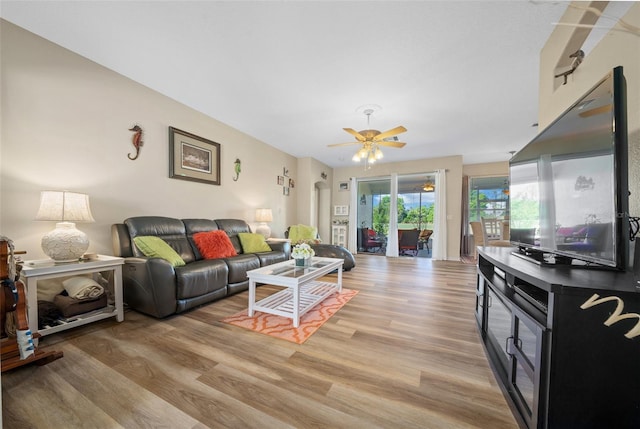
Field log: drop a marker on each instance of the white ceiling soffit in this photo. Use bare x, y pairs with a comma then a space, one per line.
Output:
461, 76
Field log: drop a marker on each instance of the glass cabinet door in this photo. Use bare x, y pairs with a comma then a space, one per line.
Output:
480, 290
526, 351
499, 326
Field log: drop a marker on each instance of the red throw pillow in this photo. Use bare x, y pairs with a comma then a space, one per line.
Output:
214, 244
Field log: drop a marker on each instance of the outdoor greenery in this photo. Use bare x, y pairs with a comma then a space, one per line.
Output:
487, 203
412, 216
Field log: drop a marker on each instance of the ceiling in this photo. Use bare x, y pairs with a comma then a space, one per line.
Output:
462, 77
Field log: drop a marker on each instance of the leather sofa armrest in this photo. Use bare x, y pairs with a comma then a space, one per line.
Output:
120, 240
282, 246
335, 251
149, 285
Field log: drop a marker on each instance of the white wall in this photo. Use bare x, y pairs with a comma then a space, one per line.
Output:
489, 169
65, 125
616, 48
314, 196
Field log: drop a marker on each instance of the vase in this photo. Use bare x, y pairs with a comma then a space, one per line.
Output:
302, 262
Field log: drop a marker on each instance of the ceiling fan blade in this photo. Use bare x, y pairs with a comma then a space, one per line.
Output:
342, 144
391, 144
392, 132
356, 134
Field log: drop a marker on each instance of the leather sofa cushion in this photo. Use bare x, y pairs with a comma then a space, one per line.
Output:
171, 230
239, 265
268, 258
200, 277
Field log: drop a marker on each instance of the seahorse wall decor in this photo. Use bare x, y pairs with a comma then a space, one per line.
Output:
236, 168
136, 140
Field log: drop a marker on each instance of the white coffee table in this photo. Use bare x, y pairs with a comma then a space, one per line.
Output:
302, 289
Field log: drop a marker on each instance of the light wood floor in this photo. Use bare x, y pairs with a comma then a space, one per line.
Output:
403, 353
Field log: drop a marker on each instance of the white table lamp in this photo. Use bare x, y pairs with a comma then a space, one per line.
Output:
65, 243
263, 216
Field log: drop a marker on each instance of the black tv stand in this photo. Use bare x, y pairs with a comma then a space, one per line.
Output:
558, 364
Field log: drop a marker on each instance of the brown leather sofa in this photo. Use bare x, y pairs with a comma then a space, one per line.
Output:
155, 287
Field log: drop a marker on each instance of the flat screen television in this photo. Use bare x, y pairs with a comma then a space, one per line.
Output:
568, 187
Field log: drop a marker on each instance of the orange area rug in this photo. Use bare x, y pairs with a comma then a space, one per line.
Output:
282, 327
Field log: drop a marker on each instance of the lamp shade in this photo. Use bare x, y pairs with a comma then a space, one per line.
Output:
64, 206
264, 215
65, 243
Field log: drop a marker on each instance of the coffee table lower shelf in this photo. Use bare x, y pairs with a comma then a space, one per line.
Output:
283, 303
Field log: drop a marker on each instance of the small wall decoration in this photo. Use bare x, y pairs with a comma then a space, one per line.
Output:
285, 171
291, 183
236, 169
281, 180
323, 175
343, 186
136, 140
285, 191
341, 210
193, 158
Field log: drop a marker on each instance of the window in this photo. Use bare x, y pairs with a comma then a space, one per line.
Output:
488, 197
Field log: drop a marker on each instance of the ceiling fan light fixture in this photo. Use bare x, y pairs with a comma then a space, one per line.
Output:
428, 187
371, 140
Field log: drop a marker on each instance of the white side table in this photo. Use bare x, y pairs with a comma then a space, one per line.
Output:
35, 270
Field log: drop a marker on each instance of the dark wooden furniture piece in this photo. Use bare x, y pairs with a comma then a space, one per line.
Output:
9, 349
563, 342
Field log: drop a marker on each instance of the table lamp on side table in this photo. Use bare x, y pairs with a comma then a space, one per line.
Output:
65, 243
263, 216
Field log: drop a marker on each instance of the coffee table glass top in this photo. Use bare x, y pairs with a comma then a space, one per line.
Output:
289, 269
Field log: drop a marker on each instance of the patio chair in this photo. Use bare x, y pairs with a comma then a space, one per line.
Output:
408, 241
370, 240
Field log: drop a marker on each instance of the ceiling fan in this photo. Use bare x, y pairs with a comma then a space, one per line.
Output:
371, 140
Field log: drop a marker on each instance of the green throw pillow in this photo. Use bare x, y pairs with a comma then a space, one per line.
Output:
253, 243
156, 247
302, 234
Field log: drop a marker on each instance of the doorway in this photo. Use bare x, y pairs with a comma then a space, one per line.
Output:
488, 198
415, 199
373, 215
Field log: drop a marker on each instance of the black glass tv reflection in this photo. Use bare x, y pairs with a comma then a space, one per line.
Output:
568, 187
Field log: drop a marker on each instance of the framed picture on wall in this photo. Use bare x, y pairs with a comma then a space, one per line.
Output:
341, 210
193, 158
280, 180
343, 186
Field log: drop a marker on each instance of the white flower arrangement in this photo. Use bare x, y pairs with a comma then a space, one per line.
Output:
302, 251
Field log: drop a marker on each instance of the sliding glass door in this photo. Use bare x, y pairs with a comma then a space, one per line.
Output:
416, 201
373, 214
415, 205
416, 208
